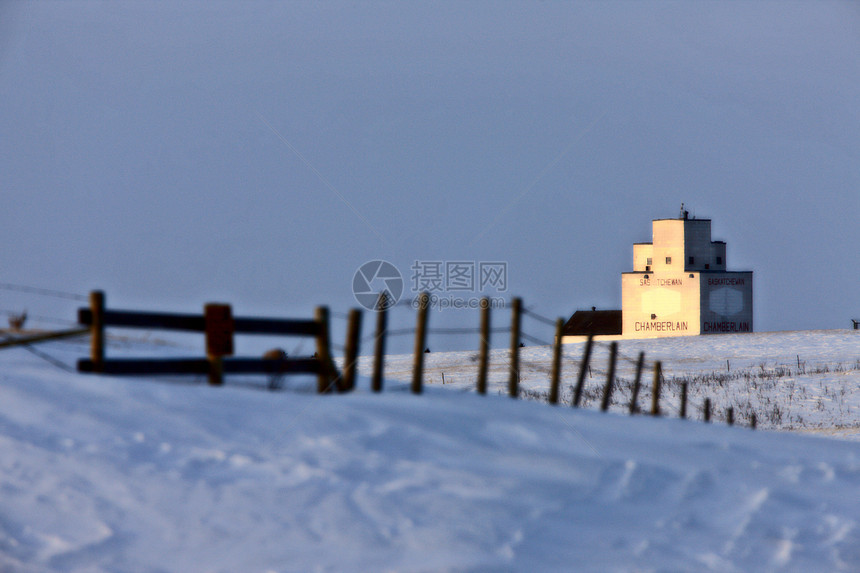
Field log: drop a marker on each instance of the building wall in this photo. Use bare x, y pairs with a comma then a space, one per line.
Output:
643, 256
697, 244
718, 256
726, 302
664, 304
668, 241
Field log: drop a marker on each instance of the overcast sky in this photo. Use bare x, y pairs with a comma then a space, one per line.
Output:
173, 153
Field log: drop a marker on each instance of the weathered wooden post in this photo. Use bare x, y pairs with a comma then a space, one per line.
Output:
484, 357
420, 338
706, 410
752, 421
610, 377
350, 358
655, 390
327, 371
730, 416
97, 330
683, 400
634, 396
514, 379
379, 344
219, 339
577, 392
556, 363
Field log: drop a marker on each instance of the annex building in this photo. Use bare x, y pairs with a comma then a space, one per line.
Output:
679, 286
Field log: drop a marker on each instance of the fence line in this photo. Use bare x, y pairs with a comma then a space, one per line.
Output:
465, 330
219, 327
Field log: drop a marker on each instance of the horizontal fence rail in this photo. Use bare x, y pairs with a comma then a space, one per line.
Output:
119, 366
197, 323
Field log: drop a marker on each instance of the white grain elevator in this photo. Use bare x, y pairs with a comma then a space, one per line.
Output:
680, 286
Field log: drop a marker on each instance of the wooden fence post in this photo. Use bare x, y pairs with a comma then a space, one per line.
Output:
655, 390
97, 330
216, 370
634, 407
683, 400
610, 377
379, 344
219, 339
730, 416
420, 338
752, 421
706, 410
326, 373
350, 358
577, 393
556, 363
514, 379
484, 360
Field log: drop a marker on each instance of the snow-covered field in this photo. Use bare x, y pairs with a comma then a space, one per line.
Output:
111, 474
806, 381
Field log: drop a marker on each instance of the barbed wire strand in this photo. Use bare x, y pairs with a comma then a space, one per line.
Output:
531, 338
50, 359
539, 317
43, 291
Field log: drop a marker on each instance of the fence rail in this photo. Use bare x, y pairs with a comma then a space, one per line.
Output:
120, 366
197, 323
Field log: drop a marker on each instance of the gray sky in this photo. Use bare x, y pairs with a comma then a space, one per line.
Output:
258, 153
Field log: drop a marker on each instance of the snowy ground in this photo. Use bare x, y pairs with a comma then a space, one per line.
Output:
806, 381
125, 475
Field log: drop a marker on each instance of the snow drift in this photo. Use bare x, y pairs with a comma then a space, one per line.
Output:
109, 474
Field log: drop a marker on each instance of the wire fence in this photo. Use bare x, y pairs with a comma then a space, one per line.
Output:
215, 330
536, 334
540, 340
